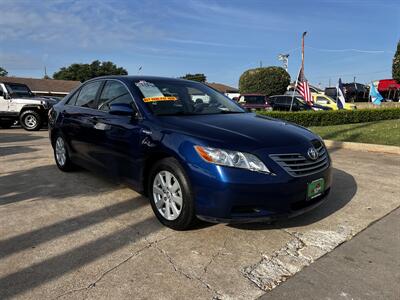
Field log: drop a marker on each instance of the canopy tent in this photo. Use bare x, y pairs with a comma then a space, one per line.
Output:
387, 85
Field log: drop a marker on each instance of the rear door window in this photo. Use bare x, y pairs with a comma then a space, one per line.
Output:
87, 95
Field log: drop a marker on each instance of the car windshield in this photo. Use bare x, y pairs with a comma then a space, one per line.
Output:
330, 98
18, 90
164, 98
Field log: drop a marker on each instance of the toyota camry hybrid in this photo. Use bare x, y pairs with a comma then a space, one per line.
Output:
192, 151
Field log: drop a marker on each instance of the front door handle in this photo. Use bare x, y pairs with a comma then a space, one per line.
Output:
146, 131
101, 126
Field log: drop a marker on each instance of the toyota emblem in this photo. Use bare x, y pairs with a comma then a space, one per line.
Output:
312, 154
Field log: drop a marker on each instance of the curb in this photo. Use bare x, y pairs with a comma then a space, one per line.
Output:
362, 147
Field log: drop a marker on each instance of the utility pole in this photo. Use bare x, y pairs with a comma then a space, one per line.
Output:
260, 63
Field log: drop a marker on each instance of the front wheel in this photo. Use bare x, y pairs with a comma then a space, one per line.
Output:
170, 195
30, 120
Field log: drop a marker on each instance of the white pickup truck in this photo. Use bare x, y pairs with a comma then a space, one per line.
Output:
18, 103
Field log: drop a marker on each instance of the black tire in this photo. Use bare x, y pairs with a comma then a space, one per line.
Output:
30, 120
187, 217
6, 124
67, 166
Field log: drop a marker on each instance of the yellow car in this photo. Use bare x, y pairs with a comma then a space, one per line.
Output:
327, 101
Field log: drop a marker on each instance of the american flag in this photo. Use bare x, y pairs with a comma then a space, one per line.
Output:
303, 88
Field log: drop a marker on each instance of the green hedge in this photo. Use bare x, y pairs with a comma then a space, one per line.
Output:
335, 117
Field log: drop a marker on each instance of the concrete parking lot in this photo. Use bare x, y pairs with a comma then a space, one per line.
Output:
77, 235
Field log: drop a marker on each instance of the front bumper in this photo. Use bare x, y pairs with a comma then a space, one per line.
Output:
231, 195
305, 207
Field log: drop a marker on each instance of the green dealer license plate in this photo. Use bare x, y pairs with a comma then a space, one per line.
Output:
315, 188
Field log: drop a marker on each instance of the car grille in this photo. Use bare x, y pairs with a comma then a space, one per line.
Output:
297, 165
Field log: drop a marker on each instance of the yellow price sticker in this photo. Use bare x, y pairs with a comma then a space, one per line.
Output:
157, 99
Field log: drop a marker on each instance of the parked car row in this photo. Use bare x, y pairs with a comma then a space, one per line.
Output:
288, 102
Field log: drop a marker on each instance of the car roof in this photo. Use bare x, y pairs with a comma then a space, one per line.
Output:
130, 78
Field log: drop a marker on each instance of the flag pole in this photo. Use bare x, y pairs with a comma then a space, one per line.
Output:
302, 50
295, 87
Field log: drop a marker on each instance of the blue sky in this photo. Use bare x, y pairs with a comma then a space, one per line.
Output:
221, 39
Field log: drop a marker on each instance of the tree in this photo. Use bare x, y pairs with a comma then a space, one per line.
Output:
83, 72
3, 72
268, 81
396, 64
195, 77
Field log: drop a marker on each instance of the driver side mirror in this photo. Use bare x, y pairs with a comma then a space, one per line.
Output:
122, 109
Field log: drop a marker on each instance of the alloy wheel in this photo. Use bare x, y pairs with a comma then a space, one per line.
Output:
167, 195
61, 153
30, 121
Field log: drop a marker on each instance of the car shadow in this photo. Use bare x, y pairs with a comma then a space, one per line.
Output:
6, 150
47, 180
6, 137
343, 189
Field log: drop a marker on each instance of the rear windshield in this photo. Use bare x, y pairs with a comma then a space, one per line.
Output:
163, 97
254, 99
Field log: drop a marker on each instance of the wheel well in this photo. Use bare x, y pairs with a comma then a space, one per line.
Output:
25, 108
149, 163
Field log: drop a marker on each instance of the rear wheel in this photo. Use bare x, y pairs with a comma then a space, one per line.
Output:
6, 124
30, 120
61, 154
170, 195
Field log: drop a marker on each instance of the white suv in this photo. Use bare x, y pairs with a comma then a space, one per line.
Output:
18, 103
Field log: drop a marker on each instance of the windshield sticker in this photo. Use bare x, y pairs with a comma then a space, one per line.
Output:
148, 89
157, 99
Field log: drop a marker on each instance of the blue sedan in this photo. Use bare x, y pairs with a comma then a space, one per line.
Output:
192, 151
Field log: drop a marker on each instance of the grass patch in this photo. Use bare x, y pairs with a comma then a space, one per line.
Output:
380, 132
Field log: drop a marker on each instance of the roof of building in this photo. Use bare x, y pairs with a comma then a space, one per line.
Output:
43, 85
222, 87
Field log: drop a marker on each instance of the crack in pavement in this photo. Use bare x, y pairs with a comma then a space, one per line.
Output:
214, 257
216, 295
93, 284
300, 251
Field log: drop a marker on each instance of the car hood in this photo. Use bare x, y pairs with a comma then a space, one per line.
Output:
239, 131
34, 100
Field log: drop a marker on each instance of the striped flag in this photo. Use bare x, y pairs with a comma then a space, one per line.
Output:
303, 88
341, 100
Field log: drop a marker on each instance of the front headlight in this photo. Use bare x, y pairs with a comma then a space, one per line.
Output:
232, 159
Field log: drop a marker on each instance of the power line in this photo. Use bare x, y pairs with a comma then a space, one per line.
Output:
350, 50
